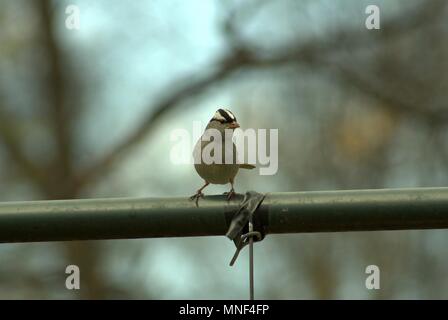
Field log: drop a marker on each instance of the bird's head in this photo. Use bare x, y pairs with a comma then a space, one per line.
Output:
224, 119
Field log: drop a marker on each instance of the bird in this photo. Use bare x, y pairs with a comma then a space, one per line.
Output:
218, 173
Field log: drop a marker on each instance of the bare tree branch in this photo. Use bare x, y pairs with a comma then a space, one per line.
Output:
242, 57
380, 93
191, 89
56, 87
12, 145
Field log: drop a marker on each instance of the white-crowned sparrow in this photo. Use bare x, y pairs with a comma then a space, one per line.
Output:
218, 173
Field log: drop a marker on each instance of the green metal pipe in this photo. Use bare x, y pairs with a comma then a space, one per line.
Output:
295, 212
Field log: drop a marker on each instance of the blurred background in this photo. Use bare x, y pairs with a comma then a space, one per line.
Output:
88, 113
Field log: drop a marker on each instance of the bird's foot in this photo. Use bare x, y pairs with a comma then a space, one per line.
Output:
196, 197
230, 194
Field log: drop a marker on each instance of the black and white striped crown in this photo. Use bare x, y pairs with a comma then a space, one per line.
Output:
224, 116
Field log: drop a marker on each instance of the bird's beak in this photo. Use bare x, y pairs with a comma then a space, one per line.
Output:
234, 125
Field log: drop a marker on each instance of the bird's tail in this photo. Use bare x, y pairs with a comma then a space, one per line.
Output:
246, 166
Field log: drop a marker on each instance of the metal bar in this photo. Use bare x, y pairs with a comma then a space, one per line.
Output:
251, 262
332, 211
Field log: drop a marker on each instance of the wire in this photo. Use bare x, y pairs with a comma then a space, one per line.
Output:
251, 260
244, 241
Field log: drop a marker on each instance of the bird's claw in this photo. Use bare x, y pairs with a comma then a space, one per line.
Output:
196, 197
230, 194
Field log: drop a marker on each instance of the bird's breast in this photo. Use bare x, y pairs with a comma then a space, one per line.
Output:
213, 172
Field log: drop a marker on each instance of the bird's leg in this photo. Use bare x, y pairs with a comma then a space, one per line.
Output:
232, 192
199, 193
